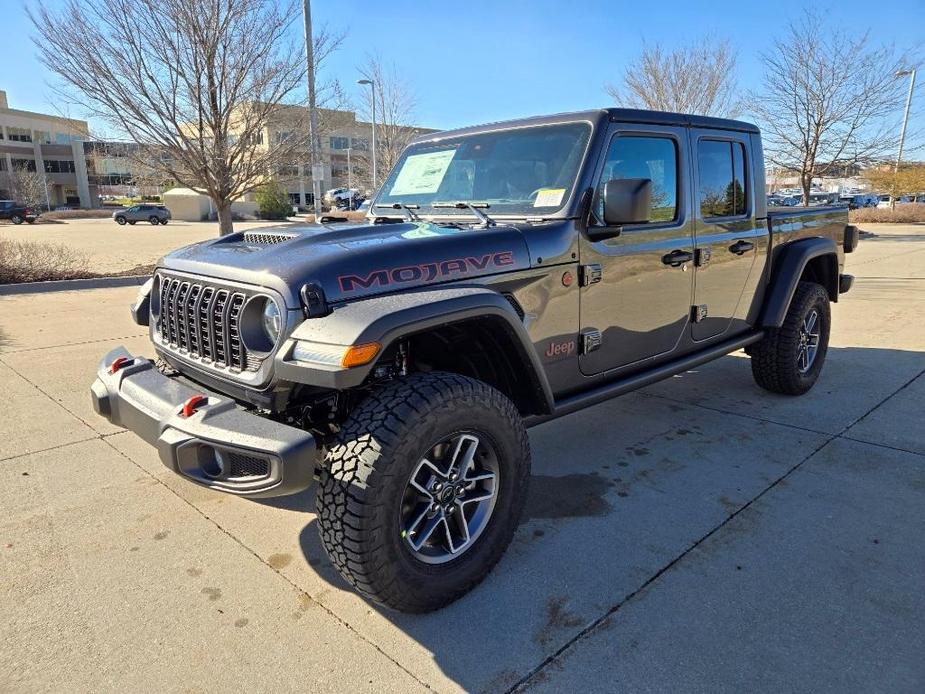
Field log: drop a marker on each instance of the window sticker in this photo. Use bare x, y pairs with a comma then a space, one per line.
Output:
549, 197
422, 173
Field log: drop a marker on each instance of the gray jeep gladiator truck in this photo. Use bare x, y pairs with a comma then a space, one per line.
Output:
506, 274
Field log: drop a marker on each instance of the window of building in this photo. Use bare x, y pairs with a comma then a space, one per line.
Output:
655, 158
721, 166
20, 164
295, 199
59, 166
42, 137
62, 139
360, 143
282, 136
2, 163
340, 142
19, 134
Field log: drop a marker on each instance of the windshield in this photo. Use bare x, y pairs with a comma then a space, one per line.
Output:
529, 171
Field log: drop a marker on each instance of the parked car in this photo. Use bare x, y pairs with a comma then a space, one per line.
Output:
508, 274
338, 195
154, 214
16, 212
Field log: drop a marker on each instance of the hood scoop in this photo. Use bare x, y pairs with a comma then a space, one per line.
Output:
265, 238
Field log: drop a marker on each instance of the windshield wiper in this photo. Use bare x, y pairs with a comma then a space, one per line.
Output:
407, 209
485, 220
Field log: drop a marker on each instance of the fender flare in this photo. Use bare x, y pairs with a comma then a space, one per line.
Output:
788, 267
385, 319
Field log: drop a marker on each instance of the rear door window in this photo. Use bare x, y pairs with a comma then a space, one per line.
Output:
721, 169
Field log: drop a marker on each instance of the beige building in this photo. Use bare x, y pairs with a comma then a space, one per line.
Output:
345, 153
45, 143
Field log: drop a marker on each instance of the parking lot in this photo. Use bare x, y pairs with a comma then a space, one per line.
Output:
698, 535
113, 248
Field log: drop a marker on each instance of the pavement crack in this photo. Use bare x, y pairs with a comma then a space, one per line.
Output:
73, 344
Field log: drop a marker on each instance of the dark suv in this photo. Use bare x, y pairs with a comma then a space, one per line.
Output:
154, 214
506, 274
16, 212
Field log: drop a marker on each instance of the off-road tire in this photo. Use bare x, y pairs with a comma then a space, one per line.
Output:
774, 358
120, 220
366, 471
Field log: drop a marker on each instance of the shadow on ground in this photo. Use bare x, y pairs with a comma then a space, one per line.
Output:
655, 475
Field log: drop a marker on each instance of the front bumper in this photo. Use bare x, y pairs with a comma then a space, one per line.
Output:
220, 445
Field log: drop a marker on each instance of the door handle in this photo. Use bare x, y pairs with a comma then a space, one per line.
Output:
677, 258
741, 247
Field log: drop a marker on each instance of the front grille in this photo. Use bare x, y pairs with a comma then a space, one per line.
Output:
265, 238
241, 465
204, 322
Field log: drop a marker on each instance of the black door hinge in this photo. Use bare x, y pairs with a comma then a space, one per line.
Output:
702, 256
590, 274
590, 341
698, 312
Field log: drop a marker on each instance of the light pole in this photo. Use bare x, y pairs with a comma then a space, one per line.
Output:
349, 172
312, 111
372, 93
902, 133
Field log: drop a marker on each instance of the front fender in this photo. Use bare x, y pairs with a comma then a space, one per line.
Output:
789, 264
385, 319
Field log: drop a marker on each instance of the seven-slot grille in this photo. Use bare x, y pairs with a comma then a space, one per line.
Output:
203, 322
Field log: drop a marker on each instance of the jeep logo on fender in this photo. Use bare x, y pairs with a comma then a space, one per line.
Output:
560, 349
425, 272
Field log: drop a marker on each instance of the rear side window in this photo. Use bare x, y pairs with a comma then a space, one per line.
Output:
721, 166
655, 158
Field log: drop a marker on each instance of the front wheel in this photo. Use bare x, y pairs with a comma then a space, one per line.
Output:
789, 359
16, 219
423, 489
164, 222
154, 220
120, 221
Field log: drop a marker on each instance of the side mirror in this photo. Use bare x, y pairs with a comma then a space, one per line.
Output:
627, 201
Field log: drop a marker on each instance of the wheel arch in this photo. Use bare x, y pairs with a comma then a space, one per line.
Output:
813, 260
472, 331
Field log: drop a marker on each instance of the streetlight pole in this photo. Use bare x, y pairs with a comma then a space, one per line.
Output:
349, 172
372, 93
312, 110
902, 133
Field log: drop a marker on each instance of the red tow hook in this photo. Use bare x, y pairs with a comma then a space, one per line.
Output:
190, 407
118, 363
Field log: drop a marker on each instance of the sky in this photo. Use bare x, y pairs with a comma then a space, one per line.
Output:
480, 61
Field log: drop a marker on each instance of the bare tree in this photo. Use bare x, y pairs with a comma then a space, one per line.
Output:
698, 79
827, 100
396, 104
199, 81
28, 186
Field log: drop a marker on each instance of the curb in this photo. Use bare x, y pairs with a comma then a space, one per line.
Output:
71, 285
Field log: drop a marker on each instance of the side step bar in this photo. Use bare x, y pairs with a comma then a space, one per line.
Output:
625, 385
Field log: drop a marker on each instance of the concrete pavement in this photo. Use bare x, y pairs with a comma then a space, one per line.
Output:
700, 534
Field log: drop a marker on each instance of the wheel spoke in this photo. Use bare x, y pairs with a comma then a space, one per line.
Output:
476, 496
809, 326
417, 540
479, 477
458, 520
463, 454
801, 359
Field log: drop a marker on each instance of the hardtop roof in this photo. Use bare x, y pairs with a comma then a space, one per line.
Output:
617, 115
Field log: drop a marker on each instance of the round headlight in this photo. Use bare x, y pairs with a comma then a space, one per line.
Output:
272, 321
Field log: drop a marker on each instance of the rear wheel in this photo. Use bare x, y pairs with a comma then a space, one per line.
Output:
154, 220
789, 359
423, 489
16, 219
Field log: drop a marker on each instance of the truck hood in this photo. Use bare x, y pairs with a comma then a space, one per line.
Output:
349, 261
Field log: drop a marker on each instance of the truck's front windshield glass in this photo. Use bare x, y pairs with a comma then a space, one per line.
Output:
529, 171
